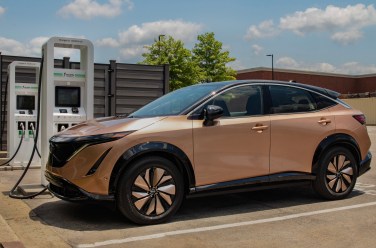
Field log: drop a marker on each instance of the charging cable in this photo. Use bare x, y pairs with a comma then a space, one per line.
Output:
33, 130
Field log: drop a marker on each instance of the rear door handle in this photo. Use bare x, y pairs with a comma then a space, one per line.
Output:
259, 128
324, 121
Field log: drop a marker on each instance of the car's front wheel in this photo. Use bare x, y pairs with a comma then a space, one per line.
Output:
337, 174
151, 191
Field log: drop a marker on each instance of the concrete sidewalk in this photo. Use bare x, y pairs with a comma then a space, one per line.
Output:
19, 225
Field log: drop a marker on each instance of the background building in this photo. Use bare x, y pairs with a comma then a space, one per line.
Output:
350, 85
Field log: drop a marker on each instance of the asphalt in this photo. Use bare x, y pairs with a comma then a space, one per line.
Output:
286, 217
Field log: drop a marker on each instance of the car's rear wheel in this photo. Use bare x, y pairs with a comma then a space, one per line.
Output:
151, 191
337, 174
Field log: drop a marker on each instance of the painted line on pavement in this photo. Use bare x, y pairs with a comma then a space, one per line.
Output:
224, 226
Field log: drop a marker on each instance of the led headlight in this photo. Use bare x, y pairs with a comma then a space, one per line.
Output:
99, 138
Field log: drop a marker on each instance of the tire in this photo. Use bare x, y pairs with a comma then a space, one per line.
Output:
337, 174
151, 191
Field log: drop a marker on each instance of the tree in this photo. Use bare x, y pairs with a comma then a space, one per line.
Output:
211, 58
183, 70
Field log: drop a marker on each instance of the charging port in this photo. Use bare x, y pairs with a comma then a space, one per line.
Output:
62, 126
31, 125
21, 127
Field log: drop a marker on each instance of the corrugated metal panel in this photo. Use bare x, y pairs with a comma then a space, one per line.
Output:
366, 105
137, 85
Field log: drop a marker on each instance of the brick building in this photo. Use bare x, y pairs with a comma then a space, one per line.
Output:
345, 84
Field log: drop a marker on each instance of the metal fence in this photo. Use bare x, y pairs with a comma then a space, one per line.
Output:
118, 88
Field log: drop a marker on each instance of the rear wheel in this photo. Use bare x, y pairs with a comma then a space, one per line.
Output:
151, 191
337, 174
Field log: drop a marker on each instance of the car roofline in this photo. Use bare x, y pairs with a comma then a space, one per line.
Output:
327, 92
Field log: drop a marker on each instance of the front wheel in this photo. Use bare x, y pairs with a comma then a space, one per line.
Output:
337, 174
151, 191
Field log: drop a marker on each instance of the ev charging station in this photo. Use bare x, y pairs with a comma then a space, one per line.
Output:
67, 94
22, 114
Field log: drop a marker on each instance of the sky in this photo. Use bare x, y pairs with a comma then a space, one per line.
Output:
321, 36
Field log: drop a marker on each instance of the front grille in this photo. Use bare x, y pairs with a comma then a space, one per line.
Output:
61, 152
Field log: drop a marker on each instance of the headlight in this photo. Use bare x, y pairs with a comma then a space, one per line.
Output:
100, 138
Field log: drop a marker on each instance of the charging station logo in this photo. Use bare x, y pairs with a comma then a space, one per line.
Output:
69, 75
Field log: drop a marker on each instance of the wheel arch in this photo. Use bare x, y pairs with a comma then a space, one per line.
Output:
161, 149
339, 139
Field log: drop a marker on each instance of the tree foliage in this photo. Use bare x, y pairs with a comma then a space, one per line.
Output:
212, 59
183, 70
206, 63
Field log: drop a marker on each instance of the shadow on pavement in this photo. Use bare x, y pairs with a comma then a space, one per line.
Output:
103, 215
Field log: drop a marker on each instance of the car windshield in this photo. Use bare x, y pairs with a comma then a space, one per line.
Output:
174, 103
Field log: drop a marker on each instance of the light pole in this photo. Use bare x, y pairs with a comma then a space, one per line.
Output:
271, 55
159, 46
160, 36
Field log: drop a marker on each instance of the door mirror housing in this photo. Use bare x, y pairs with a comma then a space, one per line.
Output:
212, 112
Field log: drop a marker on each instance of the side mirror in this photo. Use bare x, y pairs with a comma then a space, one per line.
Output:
212, 112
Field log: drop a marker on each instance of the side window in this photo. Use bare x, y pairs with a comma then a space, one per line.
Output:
241, 101
287, 99
322, 101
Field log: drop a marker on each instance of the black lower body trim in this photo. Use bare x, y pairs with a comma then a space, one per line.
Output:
255, 183
67, 191
365, 165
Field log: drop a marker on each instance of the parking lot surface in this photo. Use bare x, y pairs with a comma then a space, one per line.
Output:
285, 217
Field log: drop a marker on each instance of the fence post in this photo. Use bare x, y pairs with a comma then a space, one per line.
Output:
112, 88
66, 63
166, 78
1, 102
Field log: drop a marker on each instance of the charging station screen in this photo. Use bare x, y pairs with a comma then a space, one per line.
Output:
67, 96
26, 102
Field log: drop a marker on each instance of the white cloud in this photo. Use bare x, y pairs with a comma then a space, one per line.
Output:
33, 48
351, 68
149, 31
2, 10
329, 19
108, 42
344, 24
88, 9
11, 47
264, 29
257, 49
347, 37
237, 65
134, 51
133, 40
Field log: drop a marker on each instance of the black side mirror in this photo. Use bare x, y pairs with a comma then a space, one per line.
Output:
212, 112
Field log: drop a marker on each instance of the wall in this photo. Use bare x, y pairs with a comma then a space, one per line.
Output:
366, 105
344, 84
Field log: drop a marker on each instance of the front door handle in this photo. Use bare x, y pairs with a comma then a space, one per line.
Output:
259, 128
324, 121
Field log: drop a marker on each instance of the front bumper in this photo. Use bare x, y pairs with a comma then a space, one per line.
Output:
67, 191
365, 165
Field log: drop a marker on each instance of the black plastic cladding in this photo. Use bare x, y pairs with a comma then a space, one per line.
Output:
333, 140
152, 148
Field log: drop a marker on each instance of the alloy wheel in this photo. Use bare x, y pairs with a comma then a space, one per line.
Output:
153, 191
339, 174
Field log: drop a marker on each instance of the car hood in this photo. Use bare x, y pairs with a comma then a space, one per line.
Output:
109, 125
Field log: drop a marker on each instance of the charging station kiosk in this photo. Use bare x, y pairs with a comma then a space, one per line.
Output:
67, 94
22, 113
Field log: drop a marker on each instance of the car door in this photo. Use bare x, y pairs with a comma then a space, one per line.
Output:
236, 146
298, 125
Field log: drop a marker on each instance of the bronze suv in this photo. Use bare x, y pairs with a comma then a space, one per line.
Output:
211, 137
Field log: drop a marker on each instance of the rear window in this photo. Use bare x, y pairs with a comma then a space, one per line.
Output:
290, 100
322, 101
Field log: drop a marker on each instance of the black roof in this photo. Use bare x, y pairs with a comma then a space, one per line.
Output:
326, 92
